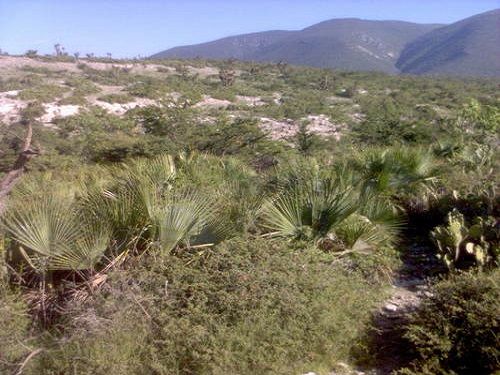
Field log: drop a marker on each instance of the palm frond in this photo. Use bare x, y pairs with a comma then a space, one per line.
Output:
85, 253
319, 205
283, 214
52, 236
182, 219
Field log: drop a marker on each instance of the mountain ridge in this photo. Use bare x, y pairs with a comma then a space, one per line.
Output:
389, 46
330, 44
467, 47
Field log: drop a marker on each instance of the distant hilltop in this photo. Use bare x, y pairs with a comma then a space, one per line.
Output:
470, 47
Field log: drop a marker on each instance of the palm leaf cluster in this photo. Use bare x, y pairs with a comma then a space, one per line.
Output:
145, 204
323, 206
396, 170
197, 200
53, 236
138, 206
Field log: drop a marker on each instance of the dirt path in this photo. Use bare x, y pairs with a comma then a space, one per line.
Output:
410, 286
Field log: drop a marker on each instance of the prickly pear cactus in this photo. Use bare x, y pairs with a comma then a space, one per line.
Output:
459, 245
449, 238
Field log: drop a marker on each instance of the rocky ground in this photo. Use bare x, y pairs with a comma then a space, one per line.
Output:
11, 103
410, 285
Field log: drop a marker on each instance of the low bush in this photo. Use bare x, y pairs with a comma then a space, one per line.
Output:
14, 320
246, 307
455, 331
44, 93
117, 98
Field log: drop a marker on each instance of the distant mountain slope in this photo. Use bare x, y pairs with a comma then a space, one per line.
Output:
350, 44
238, 47
470, 47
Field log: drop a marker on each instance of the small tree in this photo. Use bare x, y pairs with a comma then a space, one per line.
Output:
227, 76
327, 82
31, 53
60, 50
282, 68
305, 140
11, 178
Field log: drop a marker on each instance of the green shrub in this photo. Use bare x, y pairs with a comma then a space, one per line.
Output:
14, 335
117, 98
455, 331
44, 93
247, 307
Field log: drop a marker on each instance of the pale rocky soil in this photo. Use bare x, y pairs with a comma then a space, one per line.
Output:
210, 102
317, 124
54, 110
203, 72
120, 109
15, 63
10, 105
250, 101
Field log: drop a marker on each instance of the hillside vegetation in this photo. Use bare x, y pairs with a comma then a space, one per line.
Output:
221, 217
469, 47
349, 44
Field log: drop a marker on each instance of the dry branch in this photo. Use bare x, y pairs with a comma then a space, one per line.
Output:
12, 177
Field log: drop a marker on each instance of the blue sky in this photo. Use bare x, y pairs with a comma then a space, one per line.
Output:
129, 28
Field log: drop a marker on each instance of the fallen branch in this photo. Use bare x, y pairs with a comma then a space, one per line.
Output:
12, 177
28, 358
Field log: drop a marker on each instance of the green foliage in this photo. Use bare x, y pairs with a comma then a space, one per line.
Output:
328, 209
460, 246
305, 140
52, 236
164, 121
182, 302
396, 170
455, 331
479, 120
386, 124
114, 76
15, 332
148, 88
44, 93
142, 202
246, 307
116, 98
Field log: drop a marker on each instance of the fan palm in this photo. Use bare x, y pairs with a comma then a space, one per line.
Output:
309, 210
397, 170
144, 205
376, 223
52, 236
329, 206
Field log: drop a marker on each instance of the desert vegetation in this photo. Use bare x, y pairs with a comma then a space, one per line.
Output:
202, 217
